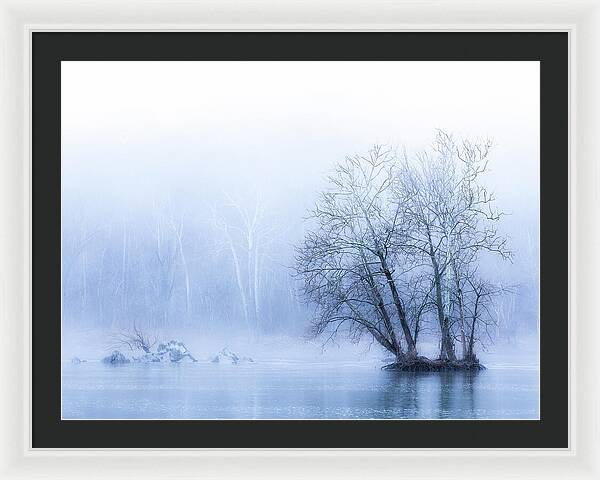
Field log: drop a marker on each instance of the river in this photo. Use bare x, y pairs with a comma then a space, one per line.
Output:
294, 390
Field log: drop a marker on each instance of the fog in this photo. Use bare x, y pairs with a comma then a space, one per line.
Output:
185, 186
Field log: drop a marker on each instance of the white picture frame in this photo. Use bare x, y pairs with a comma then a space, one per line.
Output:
18, 19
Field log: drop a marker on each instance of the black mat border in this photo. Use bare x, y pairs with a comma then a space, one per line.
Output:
49, 48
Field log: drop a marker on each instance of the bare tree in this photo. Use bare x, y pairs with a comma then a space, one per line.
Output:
248, 237
450, 218
163, 282
347, 263
250, 231
395, 239
134, 339
178, 232
479, 300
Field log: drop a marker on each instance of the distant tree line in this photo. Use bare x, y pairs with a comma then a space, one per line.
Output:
217, 267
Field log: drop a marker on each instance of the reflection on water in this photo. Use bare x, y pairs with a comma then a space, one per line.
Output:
276, 390
442, 394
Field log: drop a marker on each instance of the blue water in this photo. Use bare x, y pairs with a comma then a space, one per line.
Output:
293, 390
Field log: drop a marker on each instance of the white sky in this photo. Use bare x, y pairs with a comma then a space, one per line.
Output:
277, 126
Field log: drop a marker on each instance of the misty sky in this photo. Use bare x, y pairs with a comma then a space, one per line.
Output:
133, 130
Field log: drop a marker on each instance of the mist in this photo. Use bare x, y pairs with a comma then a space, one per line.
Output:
172, 172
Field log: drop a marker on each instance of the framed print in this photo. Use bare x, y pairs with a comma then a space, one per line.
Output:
224, 256
298, 242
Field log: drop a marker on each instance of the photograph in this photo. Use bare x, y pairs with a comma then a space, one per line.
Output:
300, 240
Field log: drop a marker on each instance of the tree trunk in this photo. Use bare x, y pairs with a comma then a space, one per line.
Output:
447, 346
238, 277
124, 273
99, 291
410, 342
461, 312
377, 335
257, 269
250, 281
390, 280
470, 351
389, 327
186, 273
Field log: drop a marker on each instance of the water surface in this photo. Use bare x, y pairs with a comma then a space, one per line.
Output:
275, 390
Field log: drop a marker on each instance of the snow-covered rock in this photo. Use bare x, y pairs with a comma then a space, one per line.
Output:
77, 361
171, 351
174, 351
115, 358
227, 356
